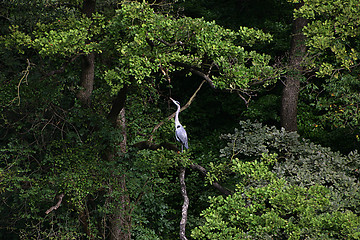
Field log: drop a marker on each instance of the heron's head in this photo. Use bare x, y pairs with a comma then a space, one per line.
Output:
175, 102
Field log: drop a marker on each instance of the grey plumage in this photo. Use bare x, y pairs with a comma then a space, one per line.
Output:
180, 132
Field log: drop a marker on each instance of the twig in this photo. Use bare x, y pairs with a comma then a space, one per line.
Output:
24, 77
60, 197
185, 206
171, 44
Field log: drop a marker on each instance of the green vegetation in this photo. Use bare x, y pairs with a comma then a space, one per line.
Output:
87, 145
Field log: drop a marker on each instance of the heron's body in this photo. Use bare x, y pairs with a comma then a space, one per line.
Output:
180, 132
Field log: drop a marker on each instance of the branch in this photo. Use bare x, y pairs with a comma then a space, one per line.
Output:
172, 115
5, 18
207, 78
60, 197
118, 104
172, 147
24, 77
152, 146
185, 205
171, 44
203, 75
197, 72
216, 185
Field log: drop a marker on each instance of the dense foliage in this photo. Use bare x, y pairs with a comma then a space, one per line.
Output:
87, 146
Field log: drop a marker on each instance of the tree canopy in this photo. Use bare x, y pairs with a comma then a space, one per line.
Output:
88, 149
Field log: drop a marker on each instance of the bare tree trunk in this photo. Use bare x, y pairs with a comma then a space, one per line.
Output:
122, 124
185, 206
291, 87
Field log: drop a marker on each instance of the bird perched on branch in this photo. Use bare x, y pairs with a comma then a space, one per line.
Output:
180, 132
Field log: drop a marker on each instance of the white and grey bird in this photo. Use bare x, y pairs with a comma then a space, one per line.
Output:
180, 132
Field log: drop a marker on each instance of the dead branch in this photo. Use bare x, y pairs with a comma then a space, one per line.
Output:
170, 44
185, 206
57, 205
23, 78
169, 146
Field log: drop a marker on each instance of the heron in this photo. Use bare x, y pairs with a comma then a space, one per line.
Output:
180, 132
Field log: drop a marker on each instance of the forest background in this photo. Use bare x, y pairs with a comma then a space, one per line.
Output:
270, 93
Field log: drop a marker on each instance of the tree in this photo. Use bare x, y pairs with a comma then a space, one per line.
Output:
85, 60
330, 47
294, 75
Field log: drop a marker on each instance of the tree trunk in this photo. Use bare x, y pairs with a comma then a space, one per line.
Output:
87, 79
84, 218
291, 87
121, 218
88, 62
185, 206
84, 95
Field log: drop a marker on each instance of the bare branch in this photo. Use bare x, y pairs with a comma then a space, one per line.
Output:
60, 197
170, 44
23, 78
203, 75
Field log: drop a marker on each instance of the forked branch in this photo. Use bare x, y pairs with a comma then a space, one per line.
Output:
57, 205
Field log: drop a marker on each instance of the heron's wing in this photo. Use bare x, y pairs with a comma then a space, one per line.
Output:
181, 136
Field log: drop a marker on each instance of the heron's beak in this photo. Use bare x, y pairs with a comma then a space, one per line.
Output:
172, 99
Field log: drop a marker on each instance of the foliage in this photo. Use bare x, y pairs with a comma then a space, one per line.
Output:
331, 34
265, 109
51, 144
271, 16
341, 105
333, 51
144, 40
300, 161
290, 199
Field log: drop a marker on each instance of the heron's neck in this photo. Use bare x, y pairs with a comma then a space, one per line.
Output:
177, 122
